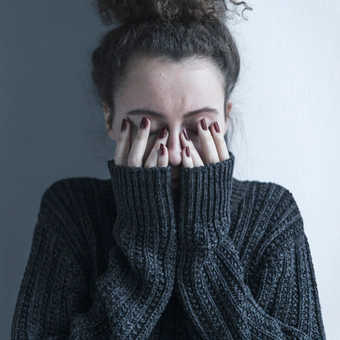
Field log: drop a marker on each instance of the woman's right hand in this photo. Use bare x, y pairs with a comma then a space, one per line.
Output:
133, 157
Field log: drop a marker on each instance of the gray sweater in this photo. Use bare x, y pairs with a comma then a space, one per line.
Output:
119, 259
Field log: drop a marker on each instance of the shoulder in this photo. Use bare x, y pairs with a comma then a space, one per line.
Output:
74, 193
271, 198
78, 207
76, 184
266, 212
79, 212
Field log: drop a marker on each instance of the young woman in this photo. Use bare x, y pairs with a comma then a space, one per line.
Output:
171, 246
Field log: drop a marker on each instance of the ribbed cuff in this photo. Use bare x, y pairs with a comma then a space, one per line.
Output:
145, 232
205, 204
143, 195
145, 226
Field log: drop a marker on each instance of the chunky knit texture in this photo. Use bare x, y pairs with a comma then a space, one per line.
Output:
111, 259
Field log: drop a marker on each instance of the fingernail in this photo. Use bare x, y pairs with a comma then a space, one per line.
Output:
217, 127
185, 133
204, 124
187, 151
162, 133
162, 150
124, 125
143, 123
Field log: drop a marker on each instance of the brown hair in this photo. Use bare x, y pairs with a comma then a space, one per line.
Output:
172, 29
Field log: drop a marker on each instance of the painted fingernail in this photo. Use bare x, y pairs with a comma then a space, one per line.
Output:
143, 123
204, 124
124, 125
187, 151
217, 127
162, 149
185, 133
162, 133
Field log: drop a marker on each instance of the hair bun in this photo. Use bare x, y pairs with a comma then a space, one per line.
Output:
122, 11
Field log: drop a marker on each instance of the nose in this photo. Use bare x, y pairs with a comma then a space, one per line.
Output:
174, 149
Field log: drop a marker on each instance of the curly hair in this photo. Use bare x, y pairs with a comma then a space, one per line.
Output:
123, 11
173, 29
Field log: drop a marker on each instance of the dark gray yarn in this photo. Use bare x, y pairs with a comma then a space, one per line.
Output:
110, 259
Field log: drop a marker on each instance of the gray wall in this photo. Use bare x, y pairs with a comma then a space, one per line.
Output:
48, 119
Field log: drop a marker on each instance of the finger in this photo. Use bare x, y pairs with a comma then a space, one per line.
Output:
186, 158
163, 156
220, 143
152, 159
123, 144
186, 141
207, 143
135, 158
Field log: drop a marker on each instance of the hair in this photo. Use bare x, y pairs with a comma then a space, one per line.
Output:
173, 29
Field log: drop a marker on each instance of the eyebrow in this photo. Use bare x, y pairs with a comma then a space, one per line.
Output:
163, 116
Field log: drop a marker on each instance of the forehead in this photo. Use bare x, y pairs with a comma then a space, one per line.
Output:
163, 86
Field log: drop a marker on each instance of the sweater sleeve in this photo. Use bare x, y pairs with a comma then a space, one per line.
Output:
280, 301
141, 279
127, 299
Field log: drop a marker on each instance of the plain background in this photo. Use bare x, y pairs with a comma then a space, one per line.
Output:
287, 101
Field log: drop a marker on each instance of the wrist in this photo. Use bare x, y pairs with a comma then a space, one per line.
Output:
205, 203
142, 194
145, 222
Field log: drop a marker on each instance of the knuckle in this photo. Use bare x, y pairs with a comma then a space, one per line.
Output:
121, 138
140, 136
133, 160
117, 157
149, 164
220, 138
207, 138
155, 149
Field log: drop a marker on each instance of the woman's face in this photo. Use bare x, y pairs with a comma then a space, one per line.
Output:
171, 95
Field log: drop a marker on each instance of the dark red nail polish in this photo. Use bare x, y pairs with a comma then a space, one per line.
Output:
204, 124
162, 150
185, 133
143, 123
187, 151
124, 125
217, 127
162, 133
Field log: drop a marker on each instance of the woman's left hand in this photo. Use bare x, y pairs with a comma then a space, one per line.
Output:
213, 146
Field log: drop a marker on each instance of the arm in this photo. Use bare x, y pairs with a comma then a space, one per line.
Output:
280, 301
145, 232
55, 288
55, 300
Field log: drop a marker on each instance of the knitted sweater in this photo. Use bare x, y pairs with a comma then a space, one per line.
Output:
117, 259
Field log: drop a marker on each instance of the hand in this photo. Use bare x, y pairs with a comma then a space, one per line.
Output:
213, 146
134, 157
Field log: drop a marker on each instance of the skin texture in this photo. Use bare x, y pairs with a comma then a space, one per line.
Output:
186, 97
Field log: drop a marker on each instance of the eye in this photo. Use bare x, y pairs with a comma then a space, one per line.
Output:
193, 132
153, 133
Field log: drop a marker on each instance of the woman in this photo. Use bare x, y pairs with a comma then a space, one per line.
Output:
172, 246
